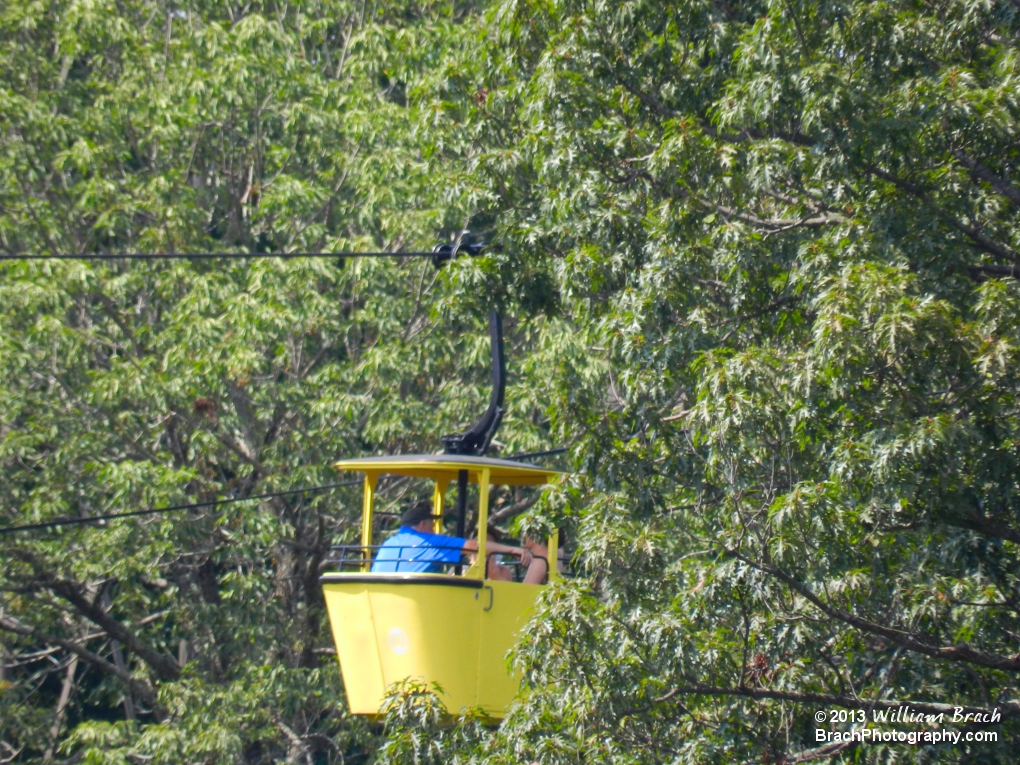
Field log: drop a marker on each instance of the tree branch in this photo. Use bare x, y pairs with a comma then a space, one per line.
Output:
753, 134
143, 690
984, 173
775, 305
513, 509
809, 754
962, 652
73, 593
777, 225
1013, 271
982, 241
983, 524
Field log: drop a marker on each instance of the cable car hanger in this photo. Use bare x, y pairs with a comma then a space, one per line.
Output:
419, 614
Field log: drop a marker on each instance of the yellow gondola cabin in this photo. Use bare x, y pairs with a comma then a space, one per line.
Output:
449, 629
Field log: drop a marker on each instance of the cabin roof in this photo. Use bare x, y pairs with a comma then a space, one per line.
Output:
440, 466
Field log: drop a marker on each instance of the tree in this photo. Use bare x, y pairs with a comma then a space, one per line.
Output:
761, 262
787, 233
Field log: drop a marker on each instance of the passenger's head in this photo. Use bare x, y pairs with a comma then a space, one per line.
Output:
418, 516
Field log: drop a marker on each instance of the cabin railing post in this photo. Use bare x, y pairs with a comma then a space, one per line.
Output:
368, 503
483, 523
462, 490
437, 507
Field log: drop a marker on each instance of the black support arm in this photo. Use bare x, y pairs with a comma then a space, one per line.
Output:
475, 441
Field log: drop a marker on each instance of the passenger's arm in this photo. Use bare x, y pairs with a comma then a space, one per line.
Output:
495, 547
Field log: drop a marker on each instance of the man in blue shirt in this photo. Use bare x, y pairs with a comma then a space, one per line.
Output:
414, 549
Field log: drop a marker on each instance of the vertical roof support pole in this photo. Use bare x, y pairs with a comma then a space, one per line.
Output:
368, 503
437, 506
462, 491
483, 522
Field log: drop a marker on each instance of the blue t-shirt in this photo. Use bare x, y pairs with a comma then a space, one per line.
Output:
416, 552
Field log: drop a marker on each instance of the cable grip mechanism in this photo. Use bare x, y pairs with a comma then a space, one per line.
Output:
464, 244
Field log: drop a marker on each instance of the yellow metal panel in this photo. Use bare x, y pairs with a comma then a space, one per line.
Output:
350, 617
454, 635
512, 606
443, 467
429, 632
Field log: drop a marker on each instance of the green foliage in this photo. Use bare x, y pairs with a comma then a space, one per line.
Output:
759, 268
420, 731
786, 234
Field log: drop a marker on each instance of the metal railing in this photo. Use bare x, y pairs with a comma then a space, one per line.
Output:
361, 557
357, 557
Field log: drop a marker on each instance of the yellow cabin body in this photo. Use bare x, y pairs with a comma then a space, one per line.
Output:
453, 631
424, 627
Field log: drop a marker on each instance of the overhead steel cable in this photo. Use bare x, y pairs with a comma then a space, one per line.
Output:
215, 255
172, 509
439, 254
216, 502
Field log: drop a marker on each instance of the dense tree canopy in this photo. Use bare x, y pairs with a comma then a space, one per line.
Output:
759, 265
